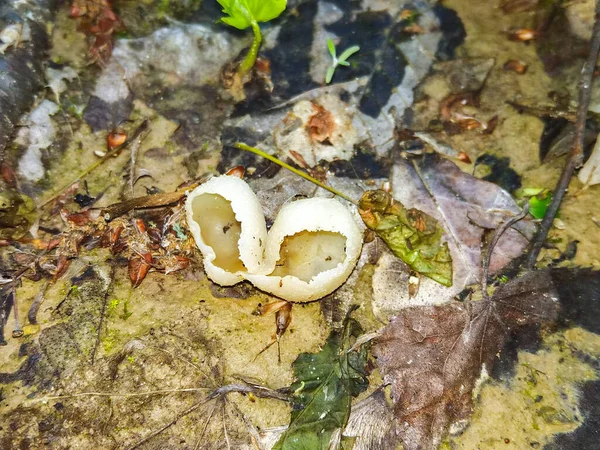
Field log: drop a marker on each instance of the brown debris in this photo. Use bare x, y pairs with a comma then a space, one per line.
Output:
98, 20
523, 34
138, 268
115, 138
237, 171
514, 65
321, 124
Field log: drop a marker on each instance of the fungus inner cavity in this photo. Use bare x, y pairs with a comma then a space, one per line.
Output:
308, 253
219, 229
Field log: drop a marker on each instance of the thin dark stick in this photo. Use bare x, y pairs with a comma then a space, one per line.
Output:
181, 415
18, 331
576, 154
149, 201
485, 269
37, 302
259, 391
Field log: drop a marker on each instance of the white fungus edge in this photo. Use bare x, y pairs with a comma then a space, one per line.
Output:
260, 251
313, 214
248, 212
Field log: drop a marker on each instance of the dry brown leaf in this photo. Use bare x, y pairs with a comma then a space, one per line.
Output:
433, 357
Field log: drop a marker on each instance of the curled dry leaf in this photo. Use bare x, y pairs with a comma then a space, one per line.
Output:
138, 268
434, 356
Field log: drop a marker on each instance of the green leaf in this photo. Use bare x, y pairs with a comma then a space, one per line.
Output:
329, 75
331, 47
539, 204
322, 393
348, 53
343, 63
412, 235
242, 13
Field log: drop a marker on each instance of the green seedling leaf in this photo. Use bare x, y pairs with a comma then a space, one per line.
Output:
241, 13
539, 204
538, 199
341, 61
322, 393
348, 53
329, 75
528, 192
331, 47
412, 235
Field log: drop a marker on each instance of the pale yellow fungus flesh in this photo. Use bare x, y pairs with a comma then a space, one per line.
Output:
309, 253
219, 229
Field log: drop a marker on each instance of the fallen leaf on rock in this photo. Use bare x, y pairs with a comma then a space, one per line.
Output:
434, 357
412, 235
467, 208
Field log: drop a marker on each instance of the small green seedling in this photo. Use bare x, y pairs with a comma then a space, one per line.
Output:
539, 199
242, 14
341, 61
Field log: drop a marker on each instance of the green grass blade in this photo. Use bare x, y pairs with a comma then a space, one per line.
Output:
277, 161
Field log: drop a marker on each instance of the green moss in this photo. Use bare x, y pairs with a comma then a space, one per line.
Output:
110, 340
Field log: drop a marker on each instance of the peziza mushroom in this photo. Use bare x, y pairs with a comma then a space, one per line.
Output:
310, 250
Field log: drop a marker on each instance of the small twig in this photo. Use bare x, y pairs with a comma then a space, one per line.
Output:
179, 416
225, 425
133, 152
37, 302
543, 111
148, 201
18, 331
485, 269
259, 391
212, 412
271, 158
108, 394
576, 154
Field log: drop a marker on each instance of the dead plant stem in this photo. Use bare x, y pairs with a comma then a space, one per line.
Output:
576, 155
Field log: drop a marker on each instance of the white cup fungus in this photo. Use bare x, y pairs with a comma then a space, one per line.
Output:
226, 220
310, 250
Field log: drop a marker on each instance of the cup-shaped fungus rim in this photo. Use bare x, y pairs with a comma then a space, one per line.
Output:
247, 211
312, 215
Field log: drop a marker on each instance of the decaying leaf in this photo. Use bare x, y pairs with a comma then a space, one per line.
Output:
434, 357
413, 236
138, 268
323, 390
467, 208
